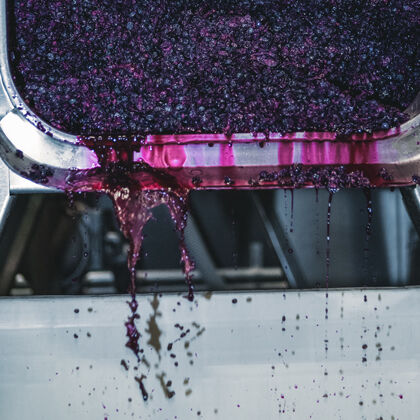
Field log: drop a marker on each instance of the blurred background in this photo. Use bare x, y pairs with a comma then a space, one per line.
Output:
239, 240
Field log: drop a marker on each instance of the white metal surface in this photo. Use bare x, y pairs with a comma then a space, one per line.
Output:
248, 363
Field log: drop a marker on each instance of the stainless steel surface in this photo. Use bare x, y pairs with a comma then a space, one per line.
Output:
278, 239
385, 257
201, 256
245, 366
21, 130
399, 240
411, 197
6, 200
17, 134
17, 244
20, 185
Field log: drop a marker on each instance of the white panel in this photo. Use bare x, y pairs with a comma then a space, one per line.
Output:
247, 364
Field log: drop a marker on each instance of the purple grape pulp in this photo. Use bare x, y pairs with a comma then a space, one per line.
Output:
231, 66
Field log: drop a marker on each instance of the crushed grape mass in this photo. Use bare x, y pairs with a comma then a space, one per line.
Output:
217, 66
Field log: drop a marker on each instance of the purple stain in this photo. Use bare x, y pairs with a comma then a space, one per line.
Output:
131, 330
124, 364
144, 393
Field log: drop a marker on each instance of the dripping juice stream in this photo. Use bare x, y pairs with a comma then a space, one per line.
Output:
328, 251
133, 208
291, 209
122, 180
369, 210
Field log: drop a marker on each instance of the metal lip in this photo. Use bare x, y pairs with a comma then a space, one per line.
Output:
221, 293
51, 155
